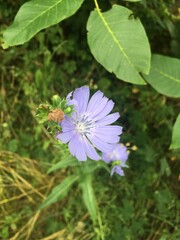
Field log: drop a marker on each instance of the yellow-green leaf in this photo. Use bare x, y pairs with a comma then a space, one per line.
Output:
119, 43
176, 134
36, 15
164, 75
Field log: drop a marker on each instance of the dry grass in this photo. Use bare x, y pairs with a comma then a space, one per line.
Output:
23, 184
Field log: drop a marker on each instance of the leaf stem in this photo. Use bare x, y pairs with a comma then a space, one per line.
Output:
100, 225
97, 6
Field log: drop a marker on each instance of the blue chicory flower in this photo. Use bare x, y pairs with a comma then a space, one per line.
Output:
89, 127
119, 157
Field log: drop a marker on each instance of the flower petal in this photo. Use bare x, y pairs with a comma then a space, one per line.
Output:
122, 154
73, 144
77, 148
113, 170
118, 170
98, 107
106, 158
67, 125
81, 95
90, 150
65, 137
108, 119
105, 111
73, 102
111, 130
99, 144
69, 96
97, 97
80, 150
105, 136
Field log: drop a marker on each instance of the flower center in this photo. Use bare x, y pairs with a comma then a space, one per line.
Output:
80, 127
113, 155
83, 123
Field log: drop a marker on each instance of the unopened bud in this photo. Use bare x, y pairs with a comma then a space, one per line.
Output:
68, 110
56, 115
134, 148
56, 100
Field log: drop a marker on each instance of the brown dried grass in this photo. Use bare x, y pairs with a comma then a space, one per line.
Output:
23, 182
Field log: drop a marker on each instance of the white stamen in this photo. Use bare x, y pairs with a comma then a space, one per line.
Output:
84, 124
80, 127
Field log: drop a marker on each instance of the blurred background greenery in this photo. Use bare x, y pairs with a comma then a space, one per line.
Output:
143, 204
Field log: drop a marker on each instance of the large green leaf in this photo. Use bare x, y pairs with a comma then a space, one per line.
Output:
36, 15
119, 42
164, 75
88, 196
59, 191
176, 134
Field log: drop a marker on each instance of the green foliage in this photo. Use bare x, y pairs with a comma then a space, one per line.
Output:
36, 15
164, 75
64, 163
175, 135
142, 205
113, 43
59, 191
88, 195
124, 50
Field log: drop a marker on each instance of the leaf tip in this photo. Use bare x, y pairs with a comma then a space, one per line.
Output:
174, 147
4, 45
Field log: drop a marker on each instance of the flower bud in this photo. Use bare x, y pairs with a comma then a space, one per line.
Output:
68, 110
56, 100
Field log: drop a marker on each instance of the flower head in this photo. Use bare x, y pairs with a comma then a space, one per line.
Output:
89, 127
119, 153
118, 156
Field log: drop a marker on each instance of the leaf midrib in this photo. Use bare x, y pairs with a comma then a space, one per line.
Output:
166, 75
31, 21
115, 39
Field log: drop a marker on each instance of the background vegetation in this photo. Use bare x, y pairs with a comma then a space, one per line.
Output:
143, 204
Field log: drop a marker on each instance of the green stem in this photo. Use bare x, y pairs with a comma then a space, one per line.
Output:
97, 6
100, 225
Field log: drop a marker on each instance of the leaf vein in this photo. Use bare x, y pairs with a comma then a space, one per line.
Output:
166, 75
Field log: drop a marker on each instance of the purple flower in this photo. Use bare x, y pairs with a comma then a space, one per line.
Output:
117, 169
119, 153
89, 127
118, 156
